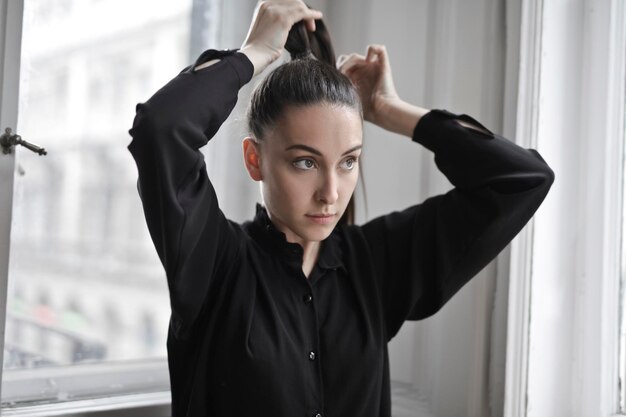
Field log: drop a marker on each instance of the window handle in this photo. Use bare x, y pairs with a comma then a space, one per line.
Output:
8, 140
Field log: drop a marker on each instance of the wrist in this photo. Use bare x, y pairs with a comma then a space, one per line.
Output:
383, 110
254, 57
398, 116
259, 59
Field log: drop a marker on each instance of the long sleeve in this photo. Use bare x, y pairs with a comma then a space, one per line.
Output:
191, 235
423, 255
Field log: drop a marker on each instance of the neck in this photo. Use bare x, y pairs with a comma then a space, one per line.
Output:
310, 250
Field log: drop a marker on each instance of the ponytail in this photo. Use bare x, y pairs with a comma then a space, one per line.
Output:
304, 44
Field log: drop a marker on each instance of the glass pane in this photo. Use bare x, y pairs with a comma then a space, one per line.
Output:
85, 282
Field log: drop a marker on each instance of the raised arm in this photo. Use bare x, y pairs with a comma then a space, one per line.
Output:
179, 202
195, 242
426, 253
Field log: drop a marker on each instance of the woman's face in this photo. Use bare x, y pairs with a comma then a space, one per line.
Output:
308, 166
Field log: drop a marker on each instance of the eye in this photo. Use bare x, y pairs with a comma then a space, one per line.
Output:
304, 164
349, 163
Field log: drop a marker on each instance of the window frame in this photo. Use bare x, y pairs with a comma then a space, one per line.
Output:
11, 13
520, 267
617, 258
145, 383
574, 251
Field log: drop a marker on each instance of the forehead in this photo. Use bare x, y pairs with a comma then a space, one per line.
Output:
328, 128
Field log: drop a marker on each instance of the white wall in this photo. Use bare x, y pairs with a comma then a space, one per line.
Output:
445, 54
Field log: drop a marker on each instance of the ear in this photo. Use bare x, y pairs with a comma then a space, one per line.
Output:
252, 158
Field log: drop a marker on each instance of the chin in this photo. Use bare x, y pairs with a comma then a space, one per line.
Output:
319, 233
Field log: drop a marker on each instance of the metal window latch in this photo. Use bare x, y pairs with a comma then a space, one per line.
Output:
8, 140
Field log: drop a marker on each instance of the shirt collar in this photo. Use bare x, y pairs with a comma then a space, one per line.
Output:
267, 235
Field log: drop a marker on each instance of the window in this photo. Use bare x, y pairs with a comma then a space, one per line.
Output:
87, 306
562, 353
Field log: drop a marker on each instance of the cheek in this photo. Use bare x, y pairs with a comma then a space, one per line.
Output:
293, 190
290, 188
349, 185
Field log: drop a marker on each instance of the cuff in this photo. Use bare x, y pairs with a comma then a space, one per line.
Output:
240, 62
429, 127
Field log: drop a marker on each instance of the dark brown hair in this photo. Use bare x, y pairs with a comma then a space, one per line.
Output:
311, 77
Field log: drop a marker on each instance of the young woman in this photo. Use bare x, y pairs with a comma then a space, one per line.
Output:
290, 314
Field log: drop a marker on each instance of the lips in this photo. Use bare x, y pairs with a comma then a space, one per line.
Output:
321, 218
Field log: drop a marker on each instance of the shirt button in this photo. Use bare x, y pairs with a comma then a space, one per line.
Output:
312, 356
307, 298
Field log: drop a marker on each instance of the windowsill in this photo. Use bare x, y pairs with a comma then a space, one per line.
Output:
85, 388
135, 401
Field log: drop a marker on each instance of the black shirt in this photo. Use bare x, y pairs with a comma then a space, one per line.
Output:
249, 334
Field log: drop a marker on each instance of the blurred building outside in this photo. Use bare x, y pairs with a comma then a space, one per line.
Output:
85, 281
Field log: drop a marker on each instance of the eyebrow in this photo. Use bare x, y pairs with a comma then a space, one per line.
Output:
316, 152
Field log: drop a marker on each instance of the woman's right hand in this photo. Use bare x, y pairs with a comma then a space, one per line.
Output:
270, 27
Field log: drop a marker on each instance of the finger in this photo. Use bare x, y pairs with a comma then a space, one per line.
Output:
308, 16
351, 61
341, 59
299, 11
313, 15
371, 54
351, 67
377, 52
310, 25
288, 13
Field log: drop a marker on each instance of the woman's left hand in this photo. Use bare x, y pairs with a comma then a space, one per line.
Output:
371, 75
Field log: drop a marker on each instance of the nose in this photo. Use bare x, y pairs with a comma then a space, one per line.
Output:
327, 191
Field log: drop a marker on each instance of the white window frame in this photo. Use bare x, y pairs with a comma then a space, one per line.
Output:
119, 385
562, 350
613, 366
10, 47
